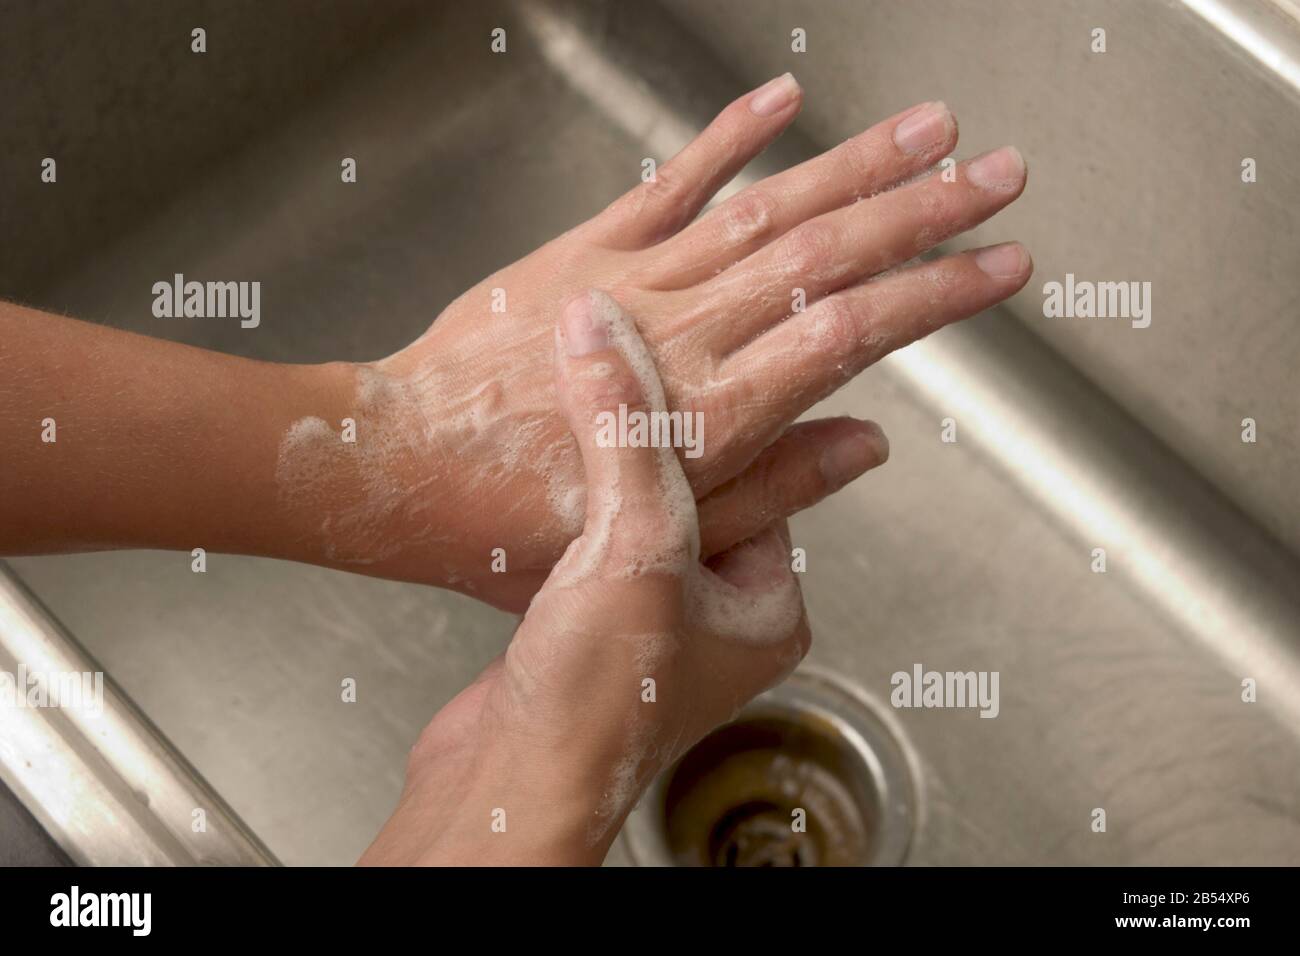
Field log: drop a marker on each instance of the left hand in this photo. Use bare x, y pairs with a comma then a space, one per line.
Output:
464, 450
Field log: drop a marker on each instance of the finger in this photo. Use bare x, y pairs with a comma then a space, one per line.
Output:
810, 461
640, 511
801, 361
888, 153
759, 563
681, 187
753, 598
841, 248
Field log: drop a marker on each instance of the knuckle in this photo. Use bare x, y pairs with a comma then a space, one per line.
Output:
811, 248
750, 216
837, 324
606, 385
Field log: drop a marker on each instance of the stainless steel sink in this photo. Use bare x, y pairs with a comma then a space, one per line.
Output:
1120, 691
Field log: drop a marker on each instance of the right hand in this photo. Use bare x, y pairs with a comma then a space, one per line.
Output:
629, 654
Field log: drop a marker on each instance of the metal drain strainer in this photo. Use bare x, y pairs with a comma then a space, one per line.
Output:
807, 775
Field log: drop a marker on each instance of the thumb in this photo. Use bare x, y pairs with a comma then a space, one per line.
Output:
640, 512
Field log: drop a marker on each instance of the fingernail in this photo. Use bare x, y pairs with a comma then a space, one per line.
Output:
774, 95
923, 128
849, 457
1003, 169
1006, 261
583, 332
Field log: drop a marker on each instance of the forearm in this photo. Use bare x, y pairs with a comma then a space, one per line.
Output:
114, 440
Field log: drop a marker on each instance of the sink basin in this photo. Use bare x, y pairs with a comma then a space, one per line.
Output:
1120, 691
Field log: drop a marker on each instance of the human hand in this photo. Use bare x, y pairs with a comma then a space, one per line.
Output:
630, 653
466, 451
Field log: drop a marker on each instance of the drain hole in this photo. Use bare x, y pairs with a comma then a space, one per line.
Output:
771, 791
759, 834
808, 775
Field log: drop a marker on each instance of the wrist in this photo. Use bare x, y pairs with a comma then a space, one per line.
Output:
519, 818
496, 796
314, 465
354, 476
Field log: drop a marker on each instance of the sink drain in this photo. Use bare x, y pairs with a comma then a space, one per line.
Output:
807, 775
